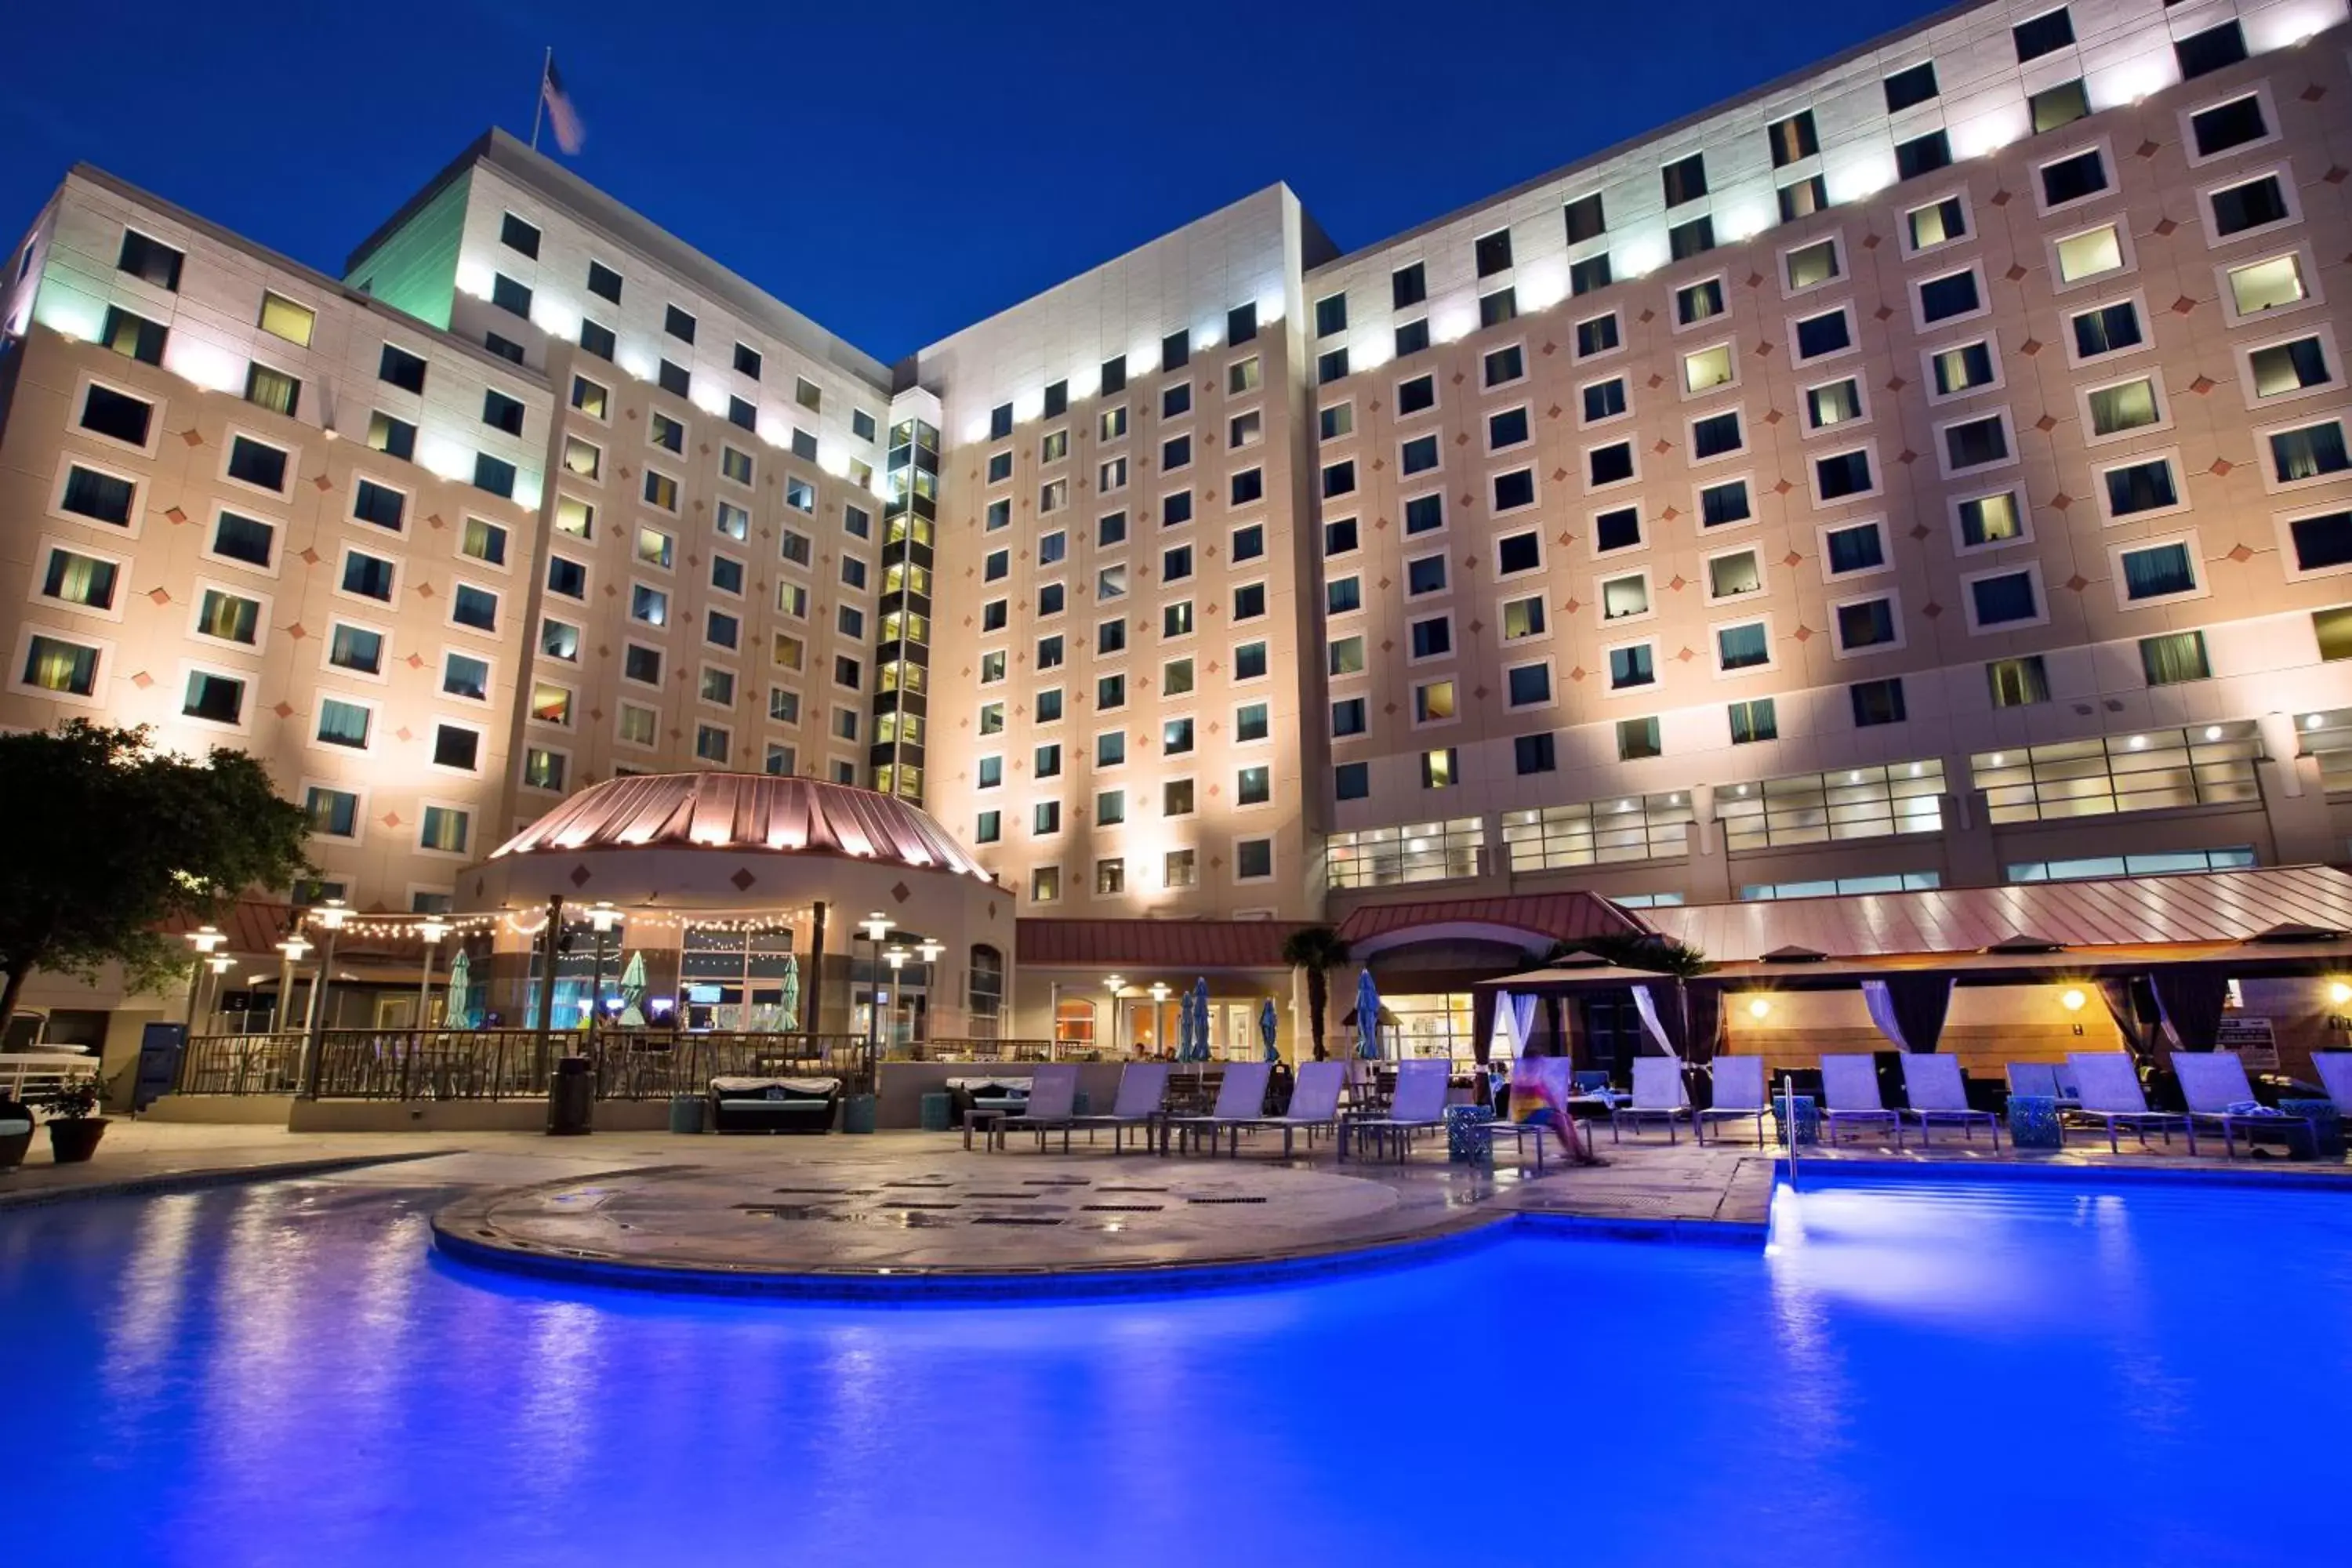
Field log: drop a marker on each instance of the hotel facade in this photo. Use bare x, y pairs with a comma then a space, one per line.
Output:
1928, 470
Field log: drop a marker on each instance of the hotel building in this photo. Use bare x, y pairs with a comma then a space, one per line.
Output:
1928, 471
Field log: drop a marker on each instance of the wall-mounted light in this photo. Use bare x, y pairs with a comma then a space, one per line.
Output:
2339, 993
2073, 1000
1758, 1008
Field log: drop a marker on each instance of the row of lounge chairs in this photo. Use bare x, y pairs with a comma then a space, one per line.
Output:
2100, 1089
1141, 1108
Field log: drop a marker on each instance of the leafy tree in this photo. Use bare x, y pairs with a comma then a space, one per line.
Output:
111, 838
1316, 950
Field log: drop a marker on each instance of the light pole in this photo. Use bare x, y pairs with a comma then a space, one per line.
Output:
603, 918
331, 915
431, 931
1115, 983
290, 951
220, 963
896, 959
1159, 1003
875, 926
204, 939
930, 947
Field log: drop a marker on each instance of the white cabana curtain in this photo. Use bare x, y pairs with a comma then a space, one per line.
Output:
1646, 1004
1515, 1020
1881, 1002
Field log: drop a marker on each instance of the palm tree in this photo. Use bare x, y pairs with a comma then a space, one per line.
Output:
1316, 950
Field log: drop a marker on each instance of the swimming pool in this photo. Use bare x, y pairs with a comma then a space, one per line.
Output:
1917, 1373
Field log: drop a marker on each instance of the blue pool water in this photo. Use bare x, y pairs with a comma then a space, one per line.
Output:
1951, 1372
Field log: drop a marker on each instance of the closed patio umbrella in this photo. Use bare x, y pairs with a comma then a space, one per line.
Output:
788, 1016
457, 1009
1201, 1019
1367, 1017
1267, 1024
633, 991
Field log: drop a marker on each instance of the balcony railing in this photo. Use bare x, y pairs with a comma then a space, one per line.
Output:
507, 1064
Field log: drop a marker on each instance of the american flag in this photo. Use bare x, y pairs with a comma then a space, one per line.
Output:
561, 118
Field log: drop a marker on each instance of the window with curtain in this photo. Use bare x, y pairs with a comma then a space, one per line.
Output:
2308, 453
2018, 682
2158, 571
2174, 658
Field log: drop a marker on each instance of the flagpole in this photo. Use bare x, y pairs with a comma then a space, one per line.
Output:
538, 109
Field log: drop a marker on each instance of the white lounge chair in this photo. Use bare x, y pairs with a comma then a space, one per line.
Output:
2039, 1078
2108, 1086
1240, 1097
1417, 1106
2214, 1084
1739, 1094
1850, 1094
1143, 1091
1314, 1108
1658, 1096
2334, 1070
1052, 1103
1932, 1083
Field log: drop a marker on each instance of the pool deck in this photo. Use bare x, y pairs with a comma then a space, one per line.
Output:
910, 1214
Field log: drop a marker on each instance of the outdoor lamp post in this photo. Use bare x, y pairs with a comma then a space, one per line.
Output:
896, 959
1115, 983
875, 926
290, 951
1159, 1015
602, 919
220, 963
331, 915
431, 931
204, 939
930, 947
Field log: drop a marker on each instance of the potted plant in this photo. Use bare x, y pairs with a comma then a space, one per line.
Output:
16, 1131
75, 1126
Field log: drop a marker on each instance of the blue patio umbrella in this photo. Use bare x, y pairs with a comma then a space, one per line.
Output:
1367, 1017
1184, 1026
1267, 1024
1201, 1019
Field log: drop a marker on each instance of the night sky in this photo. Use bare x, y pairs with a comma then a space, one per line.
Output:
894, 183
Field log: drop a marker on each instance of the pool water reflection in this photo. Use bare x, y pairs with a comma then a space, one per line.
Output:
1940, 1371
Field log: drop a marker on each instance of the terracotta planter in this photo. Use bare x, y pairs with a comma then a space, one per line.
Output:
72, 1142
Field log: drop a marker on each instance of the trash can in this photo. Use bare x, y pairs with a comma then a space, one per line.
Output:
571, 1097
1467, 1138
2326, 1125
2033, 1122
1807, 1120
938, 1112
857, 1113
687, 1113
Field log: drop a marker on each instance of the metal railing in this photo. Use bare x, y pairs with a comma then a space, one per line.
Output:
241, 1064
29, 1076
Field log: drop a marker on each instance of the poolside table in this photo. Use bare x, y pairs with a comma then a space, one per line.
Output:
984, 1118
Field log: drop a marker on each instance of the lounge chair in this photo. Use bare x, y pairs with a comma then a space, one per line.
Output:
1142, 1092
1314, 1108
2214, 1084
2110, 1094
1739, 1094
1052, 1104
1658, 1096
2334, 1070
1417, 1106
1932, 1083
1240, 1097
1850, 1094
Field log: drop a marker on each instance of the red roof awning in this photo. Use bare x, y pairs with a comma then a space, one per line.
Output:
1570, 917
1154, 944
2117, 912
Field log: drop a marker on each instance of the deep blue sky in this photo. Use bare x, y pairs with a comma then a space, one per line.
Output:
894, 181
